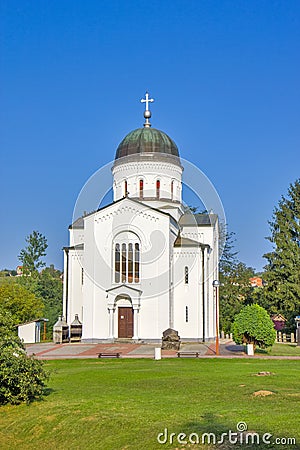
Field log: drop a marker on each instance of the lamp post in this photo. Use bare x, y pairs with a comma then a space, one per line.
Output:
216, 284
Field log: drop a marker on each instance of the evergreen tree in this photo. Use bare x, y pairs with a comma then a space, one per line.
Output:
282, 293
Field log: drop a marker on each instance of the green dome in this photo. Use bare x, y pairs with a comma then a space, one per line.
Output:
146, 140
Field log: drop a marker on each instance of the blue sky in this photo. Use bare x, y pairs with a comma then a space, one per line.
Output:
225, 78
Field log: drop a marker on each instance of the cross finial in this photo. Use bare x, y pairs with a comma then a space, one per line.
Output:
147, 112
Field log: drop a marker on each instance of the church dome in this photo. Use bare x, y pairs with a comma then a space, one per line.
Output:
146, 140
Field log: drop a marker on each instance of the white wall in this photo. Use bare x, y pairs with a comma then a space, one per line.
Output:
29, 332
153, 232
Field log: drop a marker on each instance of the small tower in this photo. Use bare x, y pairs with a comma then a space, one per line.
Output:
147, 167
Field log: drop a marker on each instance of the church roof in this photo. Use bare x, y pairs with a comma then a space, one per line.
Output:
145, 141
197, 220
186, 242
79, 223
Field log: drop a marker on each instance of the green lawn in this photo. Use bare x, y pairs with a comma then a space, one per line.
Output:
124, 404
281, 350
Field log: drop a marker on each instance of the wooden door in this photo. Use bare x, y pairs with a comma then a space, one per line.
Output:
125, 323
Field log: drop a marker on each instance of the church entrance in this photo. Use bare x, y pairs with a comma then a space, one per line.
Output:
125, 322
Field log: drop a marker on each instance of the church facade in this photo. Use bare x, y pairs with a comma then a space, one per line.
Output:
143, 263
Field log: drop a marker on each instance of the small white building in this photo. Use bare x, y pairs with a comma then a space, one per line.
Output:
143, 264
30, 332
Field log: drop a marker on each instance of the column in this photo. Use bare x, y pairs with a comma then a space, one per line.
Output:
135, 322
111, 311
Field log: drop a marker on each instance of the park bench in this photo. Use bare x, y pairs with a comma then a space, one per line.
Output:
109, 355
195, 354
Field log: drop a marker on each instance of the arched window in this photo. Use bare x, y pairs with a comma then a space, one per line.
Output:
127, 263
186, 275
117, 263
186, 313
124, 263
172, 190
125, 188
157, 188
130, 263
141, 189
137, 263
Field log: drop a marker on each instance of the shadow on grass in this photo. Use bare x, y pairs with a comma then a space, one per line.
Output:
261, 351
212, 431
48, 391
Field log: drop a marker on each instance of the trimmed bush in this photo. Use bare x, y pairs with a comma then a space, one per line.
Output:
254, 326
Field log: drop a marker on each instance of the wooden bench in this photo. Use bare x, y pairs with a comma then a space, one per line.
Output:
195, 354
109, 355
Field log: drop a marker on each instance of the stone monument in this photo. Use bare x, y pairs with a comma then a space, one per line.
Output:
170, 340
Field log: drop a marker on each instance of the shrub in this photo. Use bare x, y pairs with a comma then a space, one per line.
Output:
254, 326
22, 377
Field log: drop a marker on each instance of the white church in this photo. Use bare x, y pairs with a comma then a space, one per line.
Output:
143, 263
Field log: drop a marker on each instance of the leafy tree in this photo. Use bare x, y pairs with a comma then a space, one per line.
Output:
22, 304
254, 326
228, 256
49, 288
282, 292
22, 378
31, 256
235, 290
7, 324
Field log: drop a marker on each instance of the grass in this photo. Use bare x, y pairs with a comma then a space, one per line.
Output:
124, 404
280, 350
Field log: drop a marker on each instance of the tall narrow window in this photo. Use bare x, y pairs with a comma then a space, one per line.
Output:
130, 263
82, 276
141, 187
125, 188
136, 263
117, 263
157, 188
186, 313
127, 263
172, 190
186, 275
124, 262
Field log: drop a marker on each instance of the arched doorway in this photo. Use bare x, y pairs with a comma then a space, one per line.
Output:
123, 304
125, 317
125, 322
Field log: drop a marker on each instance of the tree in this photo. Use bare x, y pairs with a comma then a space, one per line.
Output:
22, 378
49, 288
235, 290
31, 256
46, 286
22, 304
254, 326
282, 292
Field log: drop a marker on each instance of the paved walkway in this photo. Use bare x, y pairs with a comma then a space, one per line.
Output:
81, 350
228, 349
